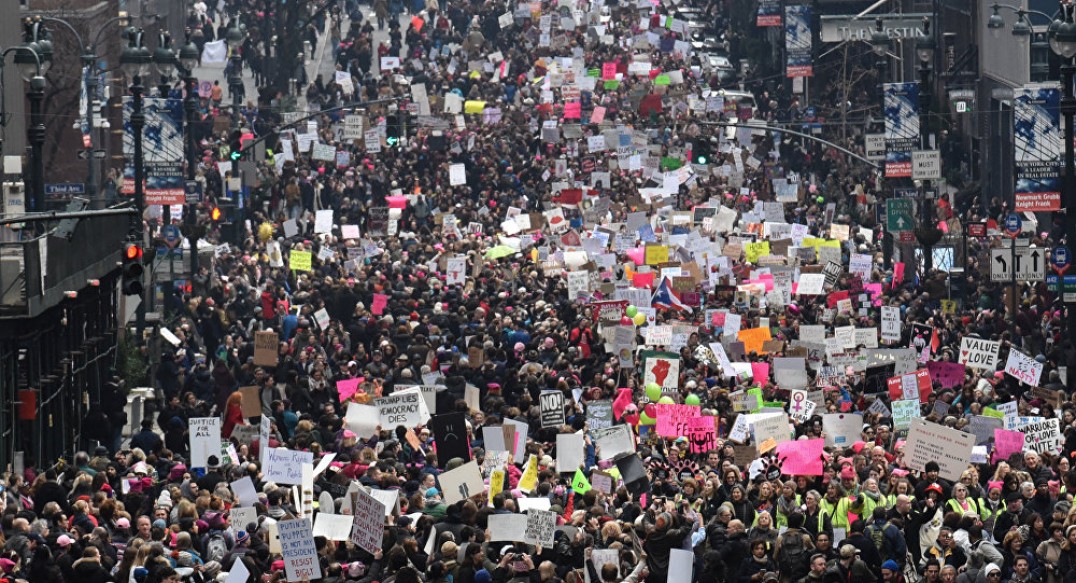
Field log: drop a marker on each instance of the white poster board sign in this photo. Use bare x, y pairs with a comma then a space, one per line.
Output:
204, 440
284, 466
932, 442
297, 548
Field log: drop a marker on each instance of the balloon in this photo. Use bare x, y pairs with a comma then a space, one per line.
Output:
645, 419
625, 321
639, 319
651, 410
813, 188
820, 200
265, 232
633, 419
666, 401
653, 391
631, 311
692, 400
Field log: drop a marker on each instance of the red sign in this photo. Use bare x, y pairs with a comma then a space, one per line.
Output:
906, 385
976, 229
1037, 201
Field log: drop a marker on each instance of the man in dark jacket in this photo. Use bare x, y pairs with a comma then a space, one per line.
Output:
88, 569
866, 548
735, 550
1014, 515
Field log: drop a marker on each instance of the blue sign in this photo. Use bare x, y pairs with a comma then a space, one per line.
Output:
1060, 259
1013, 224
64, 190
171, 235
192, 190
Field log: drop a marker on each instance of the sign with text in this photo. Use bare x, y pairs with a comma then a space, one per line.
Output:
932, 442
285, 466
297, 548
552, 408
979, 354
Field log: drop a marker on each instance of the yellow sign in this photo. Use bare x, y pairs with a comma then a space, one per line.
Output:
753, 339
948, 306
580, 484
496, 484
300, 261
752, 251
529, 481
470, 106
656, 254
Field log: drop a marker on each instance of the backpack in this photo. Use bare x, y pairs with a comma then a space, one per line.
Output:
793, 556
877, 535
216, 547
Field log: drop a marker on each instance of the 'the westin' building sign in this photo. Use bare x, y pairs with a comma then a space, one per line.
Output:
896, 26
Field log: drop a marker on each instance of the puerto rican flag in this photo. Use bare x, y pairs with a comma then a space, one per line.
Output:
667, 298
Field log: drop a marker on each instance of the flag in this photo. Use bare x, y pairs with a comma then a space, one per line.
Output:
666, 297
215, 54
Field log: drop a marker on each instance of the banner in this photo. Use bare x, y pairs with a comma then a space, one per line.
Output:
798, 58
162, 150
1037, 139
769, 13
901, 128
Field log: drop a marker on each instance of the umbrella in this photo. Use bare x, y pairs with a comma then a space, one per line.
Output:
500, 251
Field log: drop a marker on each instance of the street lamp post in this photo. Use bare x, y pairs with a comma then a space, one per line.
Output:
1062, 36
136, 60
164, 58
927, 233
188, 60
880, 45
234, 37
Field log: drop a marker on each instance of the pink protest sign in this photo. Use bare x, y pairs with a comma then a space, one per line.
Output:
949, 374
1006, 443
673, 419
377, 307
701, 434
347, 389
396, 202
760, 371
573, 110
802, 457
623, 399
608, 71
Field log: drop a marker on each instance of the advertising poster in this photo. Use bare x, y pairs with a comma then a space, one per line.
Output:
162, 150
1037, 148
901, 128
769, 13
798, 61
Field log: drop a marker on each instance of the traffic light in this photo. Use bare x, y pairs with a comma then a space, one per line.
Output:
700, 152
132, 269
235, 148
215, 214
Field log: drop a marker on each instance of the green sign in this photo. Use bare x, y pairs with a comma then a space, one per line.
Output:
899, 215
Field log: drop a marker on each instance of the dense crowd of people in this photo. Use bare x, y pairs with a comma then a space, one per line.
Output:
523, 226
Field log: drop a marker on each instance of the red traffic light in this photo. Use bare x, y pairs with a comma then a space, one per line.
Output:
132, 252
215, 213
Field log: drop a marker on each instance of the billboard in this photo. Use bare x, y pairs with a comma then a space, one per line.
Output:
798, 58
901, 128
1037, 147
769, 13
162, 150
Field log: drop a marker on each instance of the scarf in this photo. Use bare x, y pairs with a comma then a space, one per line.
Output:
876, 496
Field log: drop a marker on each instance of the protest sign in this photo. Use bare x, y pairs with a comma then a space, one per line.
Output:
461, 483
450, 435
507, 527
672, 419
369, 527
800, 407
947, 374
841, 429
613, 441
204, 441
244, 491
570, 453
406, 408
285, 466
552, 408
915, 385
702, 434
1023, 368
770, 432
599, 414
1043, 436
297, 548
333, 526
982, 427
252, 402
266, 348
541, 526
978, 353
1006, 443
665, 371
802, 457
790, 373
904, 410
931, 442
891, 327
